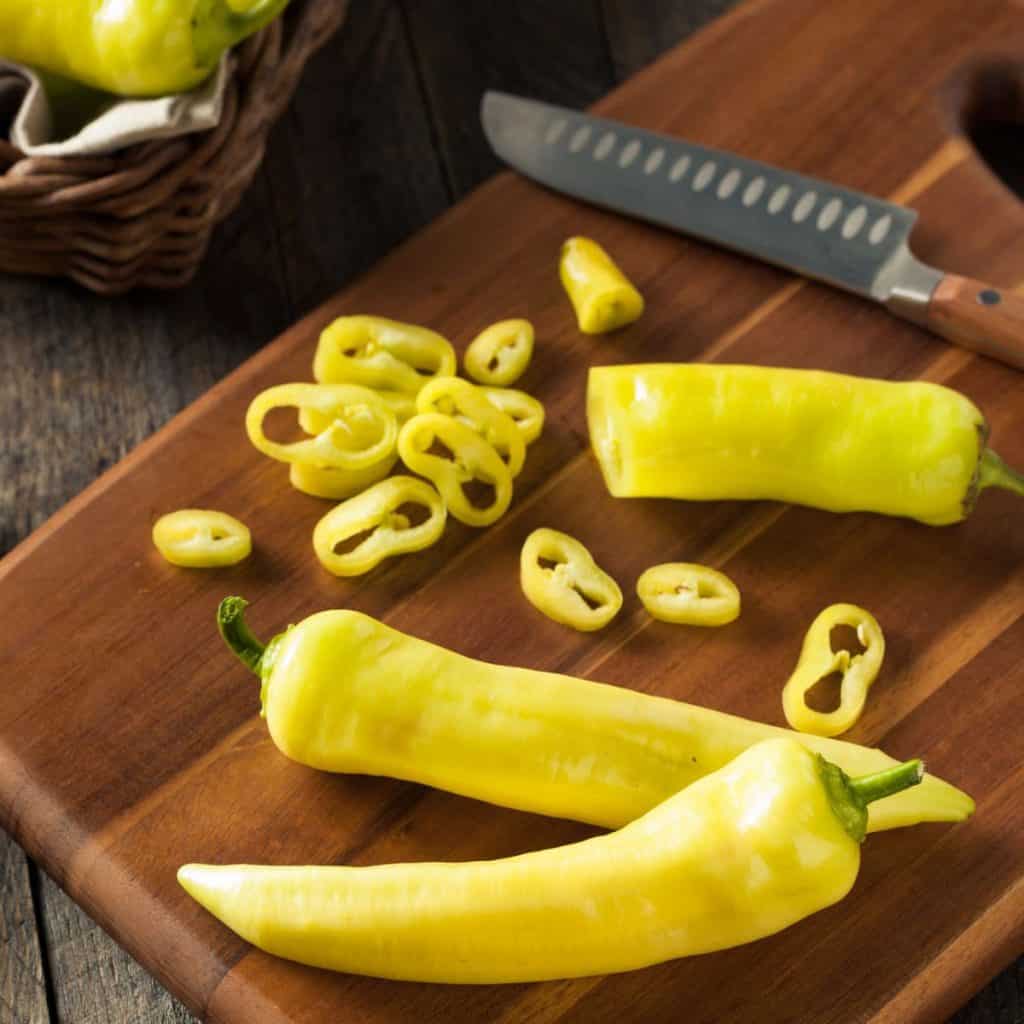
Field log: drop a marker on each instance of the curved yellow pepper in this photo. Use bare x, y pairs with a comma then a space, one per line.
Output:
603, 297
361, 431
575, 590
380, 353
688, 594
391, 532
472, 459
328, 482
129, 47
702, 431
751, 849
818, 659
199, 538
525, 411
500, 354
401, 404
452, 396
339, 684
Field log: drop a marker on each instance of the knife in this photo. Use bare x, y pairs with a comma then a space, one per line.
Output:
813, 227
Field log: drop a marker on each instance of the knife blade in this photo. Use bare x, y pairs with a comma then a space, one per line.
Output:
813, 227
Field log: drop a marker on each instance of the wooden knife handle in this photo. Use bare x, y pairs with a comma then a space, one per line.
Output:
979, 316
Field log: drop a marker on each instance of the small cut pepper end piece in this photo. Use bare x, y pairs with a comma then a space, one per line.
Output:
849, 797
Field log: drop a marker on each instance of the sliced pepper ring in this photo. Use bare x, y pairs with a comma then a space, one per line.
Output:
818, 659
403, 405
688, 594
361, 429
376, 510
500, 354
325, 482
524, 410
380, 353
199, 538
473, 458
452, 396
574, 590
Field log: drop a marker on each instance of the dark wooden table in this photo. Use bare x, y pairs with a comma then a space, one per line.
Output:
381, 138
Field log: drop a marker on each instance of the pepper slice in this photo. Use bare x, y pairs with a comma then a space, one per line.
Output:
401, 404
603, 297
500, 354
575, 590
361, 429
199, 538
380, 353
471, 458
327, 482
689, 594
376, 510
525, 411
452, 396
818, 659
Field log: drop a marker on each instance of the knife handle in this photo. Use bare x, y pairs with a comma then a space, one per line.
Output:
980, 317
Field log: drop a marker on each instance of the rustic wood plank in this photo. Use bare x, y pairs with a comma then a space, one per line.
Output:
637, 33
22, 988
552, 51
95, 981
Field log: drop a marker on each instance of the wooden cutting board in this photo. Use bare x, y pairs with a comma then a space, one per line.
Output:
129, 740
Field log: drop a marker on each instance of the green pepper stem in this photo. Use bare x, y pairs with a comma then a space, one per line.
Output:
993, 472
869, 788
217, 26
237, 635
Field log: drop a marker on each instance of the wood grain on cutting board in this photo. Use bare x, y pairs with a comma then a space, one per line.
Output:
129, 741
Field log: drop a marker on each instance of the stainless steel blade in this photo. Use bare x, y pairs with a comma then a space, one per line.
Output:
813, 227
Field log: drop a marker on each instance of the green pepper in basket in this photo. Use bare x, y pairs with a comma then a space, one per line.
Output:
129, 47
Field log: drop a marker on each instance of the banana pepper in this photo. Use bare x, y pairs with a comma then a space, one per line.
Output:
380, 353
335, 483
688, 594
343, 692
199, 538
523, 409
500, 354
747, 851
452, 396
702, 431
129, 47
560, 578
603, 297
391, 532
469, 458
360, 431
819, 659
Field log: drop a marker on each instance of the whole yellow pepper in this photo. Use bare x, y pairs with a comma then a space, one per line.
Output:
749, 850
129, 47
819, 659
343, 692
603, 297
703, 431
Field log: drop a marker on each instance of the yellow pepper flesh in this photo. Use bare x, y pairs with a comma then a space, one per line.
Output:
603, 297
688, 594
702, 432
452, 396
819, 659
472, 459
343, 692
574, 590
525, 411
745, 852
331, 482
199, 538
129, 47
501, 353
381, 353
377, 510
360, 430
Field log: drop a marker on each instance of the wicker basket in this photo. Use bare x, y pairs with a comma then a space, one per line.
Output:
143, 216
